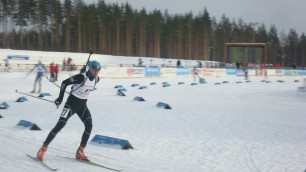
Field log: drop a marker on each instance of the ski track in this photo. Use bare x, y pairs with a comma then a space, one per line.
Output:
211, 136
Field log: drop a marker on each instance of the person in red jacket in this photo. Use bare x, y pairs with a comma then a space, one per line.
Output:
52, 71
56, 70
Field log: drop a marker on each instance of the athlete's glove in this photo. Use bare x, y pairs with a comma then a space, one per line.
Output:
58, 101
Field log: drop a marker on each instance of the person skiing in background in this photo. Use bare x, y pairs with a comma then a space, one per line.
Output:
41, 70
52, 72
82, 83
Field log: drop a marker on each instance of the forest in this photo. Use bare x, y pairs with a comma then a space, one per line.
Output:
118, 29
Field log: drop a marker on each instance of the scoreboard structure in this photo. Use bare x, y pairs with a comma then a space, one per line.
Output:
245, 52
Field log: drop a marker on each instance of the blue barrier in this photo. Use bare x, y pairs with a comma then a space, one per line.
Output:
166, 85
194, 83
225, 82
120, 93
280, 81
143, 87
153, 83
202, 81
135, 85
21, 99
123, 144
247, 81
94, 89
28, 124
268, 81
140, 99
296, 80
180, 83
163, 105
239, 82
44, 94
4, 105
122, 89
118, 86
217, 83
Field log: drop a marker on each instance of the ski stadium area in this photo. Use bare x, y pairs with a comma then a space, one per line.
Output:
219, 122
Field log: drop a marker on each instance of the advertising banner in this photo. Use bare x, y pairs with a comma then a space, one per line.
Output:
231, 72
182, 71
120, 72
301, 72
168, 72
291, 72
135, 72
18, 57
214, 72
152, 71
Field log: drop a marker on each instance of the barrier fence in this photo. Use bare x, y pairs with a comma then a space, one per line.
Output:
141, 72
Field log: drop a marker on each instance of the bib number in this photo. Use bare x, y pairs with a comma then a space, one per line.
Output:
65, 113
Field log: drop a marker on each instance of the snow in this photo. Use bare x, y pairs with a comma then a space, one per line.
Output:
249, 127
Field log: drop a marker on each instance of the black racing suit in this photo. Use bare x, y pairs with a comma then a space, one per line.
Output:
73, 105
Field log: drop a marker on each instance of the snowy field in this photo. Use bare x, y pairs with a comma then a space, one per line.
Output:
247, 127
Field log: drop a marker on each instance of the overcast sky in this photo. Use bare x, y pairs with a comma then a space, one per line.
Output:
284, 14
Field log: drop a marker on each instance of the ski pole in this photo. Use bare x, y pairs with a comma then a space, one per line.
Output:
56, 85
34, 96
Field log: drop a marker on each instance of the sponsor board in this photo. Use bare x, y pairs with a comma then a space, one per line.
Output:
18, 57
120, 72
152, 71
182, 71
214, 72
168, 72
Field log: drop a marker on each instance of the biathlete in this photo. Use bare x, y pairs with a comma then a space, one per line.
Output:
83, 83
41, 70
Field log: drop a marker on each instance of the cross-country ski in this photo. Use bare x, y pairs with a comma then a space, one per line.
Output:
41, 162
90, 163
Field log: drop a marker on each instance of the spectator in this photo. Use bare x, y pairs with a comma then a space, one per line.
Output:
64, 65
56, 70
178, 63
140, 62
200, 64
195, 73
6, 61
245, 70
237, 65
69, 64
52, 71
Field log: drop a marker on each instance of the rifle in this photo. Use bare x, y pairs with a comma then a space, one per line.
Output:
88, 60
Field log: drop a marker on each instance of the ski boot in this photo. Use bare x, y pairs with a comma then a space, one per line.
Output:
80, 154
41, 152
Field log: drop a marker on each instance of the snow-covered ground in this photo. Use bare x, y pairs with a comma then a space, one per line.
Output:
247, 127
